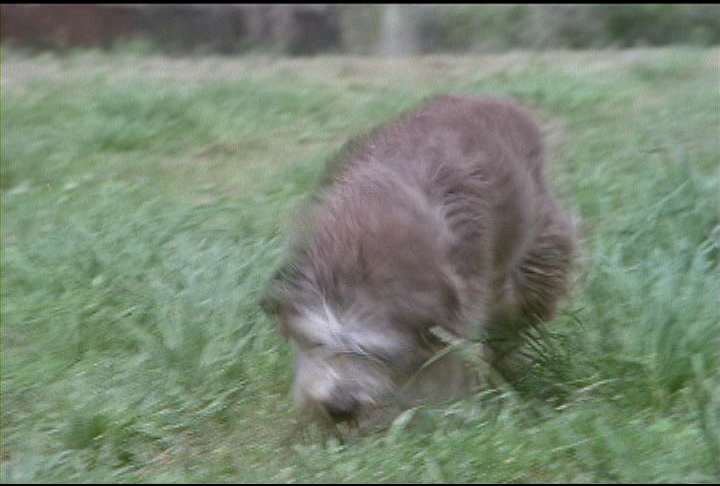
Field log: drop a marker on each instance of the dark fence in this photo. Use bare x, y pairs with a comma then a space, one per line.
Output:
290, 29
362, 29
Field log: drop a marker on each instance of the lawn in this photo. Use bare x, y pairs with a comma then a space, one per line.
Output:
144, 206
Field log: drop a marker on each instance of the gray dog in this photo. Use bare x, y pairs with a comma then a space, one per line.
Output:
437, 224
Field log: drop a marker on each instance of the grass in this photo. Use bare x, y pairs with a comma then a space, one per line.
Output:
144, 202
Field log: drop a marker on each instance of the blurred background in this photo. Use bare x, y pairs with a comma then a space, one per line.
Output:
389, 30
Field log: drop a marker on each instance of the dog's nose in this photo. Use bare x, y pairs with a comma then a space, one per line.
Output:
342, 410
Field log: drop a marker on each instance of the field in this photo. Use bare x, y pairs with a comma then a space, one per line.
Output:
144, 206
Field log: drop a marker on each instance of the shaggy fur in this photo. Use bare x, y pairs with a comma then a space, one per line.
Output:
440, 219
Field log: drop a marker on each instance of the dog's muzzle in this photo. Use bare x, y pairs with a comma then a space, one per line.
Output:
343, 408
341, 385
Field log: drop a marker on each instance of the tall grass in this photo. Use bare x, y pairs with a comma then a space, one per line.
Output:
144, 207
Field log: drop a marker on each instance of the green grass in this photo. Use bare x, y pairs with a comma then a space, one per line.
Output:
144, 205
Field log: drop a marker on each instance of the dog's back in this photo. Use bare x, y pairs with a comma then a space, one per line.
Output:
452, 189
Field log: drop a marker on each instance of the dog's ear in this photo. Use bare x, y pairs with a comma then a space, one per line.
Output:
449, 301
456, 315
449, 314
275, 299
424, 301
269, 303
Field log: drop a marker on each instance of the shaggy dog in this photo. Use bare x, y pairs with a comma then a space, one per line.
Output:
439, 221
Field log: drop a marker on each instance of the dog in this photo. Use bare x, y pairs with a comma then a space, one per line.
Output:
436, 225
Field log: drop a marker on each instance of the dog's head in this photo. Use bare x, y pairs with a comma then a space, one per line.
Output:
360, 298
363, 360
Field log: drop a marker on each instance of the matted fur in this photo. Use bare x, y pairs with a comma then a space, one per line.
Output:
440, 219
